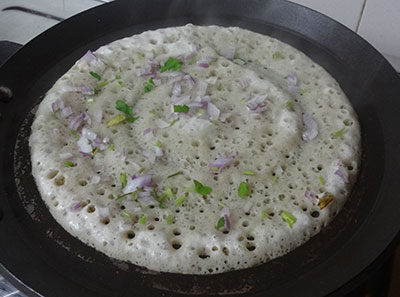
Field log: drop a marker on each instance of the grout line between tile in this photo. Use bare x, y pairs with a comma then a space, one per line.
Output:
361, 15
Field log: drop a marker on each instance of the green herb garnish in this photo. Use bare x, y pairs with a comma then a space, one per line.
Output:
220, 223
221, 204
90, 100
95, 151
69, 163
303, 91
175, 174
126, 215
289, 105
199, 188
322, 180
263, 213
112, 147
248, 172
243, 191
169, 193
169, 219
95, 75
96, 91
276, 56
127, 110
158, 143
140, 55
149, 85
181, 108
118, 119
123, 179
124, 195
173, 122
102, 84
180, 199
142, 220
119, 84
117, 77
288, 218
338, 132
171, 64
219, 87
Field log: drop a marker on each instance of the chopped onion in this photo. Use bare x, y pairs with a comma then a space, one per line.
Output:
146, 131
158, 151
84, 145
137, 182
176, 89
88, 155
88, 57
76, 206
66, 112
76, 121
213, 111
311, 128
161, 123
98, 115
309, 194
89, 134
244, 83
292, 84
146, 199
203, 64
65, 156
220, 163
257, 104
145, 71
57, 105
247, 206
84, 90
202, 88
212, 80
342, 174
104, 212
230, 53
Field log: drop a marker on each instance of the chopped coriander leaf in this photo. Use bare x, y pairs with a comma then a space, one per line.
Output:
243, 191
248, 172
288, 218
175, 174
169, 219
95, 151
140, 55
69, 163
303, 91
124, 195
90, 100
117, 77
131, 119
221, 204
149, 85
171, 64
123, 179
338, 132
276, 56
173, 122
180, 199
181, 108
118, 119
73, 132
289, 105
161, 206
263, 213
192, 60
119, 84
322, 180
214, 168
158, 143
199, 188
112, 147
142, 220
96, 91
126, 214
239, 61
169, 193
95, 75
120, 69
243, 100
102, 84
275, 179
122, 106
220, 223
162, 197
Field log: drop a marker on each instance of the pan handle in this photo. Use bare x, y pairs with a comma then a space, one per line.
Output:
7, 49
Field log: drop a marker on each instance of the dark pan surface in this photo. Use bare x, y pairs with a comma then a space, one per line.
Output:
35, 249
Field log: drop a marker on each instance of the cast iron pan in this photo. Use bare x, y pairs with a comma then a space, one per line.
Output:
49, 261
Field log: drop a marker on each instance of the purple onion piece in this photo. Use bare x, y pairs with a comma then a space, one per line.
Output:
138, 182
74, 207
203, 64
310, 194
88, 57
57, 105
213, 111
310, 131
220, 163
